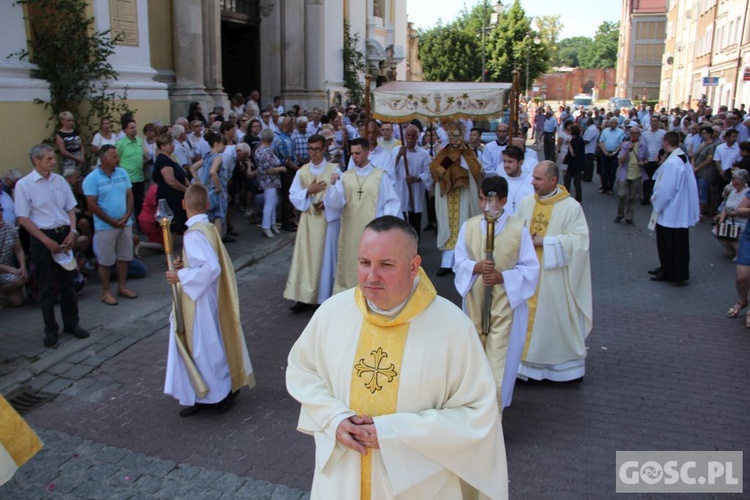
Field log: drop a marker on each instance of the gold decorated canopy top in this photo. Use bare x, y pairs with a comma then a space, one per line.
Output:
438, 101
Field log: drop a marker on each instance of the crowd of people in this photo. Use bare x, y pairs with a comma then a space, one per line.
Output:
354, 191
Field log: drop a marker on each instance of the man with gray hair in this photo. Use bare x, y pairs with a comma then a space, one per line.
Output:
8, 182
45, 207
300, 137
183, 150
314, 126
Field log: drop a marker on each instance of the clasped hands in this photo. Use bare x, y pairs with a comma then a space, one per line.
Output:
358, 433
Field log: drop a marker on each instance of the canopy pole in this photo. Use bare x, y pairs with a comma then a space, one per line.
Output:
367, 105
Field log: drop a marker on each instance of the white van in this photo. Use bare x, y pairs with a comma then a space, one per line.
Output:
585, 100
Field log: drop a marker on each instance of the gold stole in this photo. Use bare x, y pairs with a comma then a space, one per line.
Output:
229, 309
304, 275
378, 362
357, 213
507, 248
18, 439
539, 221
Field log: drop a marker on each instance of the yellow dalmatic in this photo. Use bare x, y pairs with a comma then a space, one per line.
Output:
361, 207
18, 442
378, 359
507, 248
304, 274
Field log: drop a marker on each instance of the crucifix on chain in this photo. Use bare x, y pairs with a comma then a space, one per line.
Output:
360, 193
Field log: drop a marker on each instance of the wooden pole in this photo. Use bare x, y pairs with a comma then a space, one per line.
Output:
402, 153
367, 105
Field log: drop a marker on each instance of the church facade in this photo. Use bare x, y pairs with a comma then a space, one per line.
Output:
178, 51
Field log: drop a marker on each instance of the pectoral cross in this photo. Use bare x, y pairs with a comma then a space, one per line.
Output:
389, 373
360, 193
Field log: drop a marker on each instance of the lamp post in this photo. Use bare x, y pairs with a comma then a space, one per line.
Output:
486, 29
537, 41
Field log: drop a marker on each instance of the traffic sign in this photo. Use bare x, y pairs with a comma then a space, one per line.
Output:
710, 81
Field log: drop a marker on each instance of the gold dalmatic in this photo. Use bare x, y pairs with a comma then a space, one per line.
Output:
378, 361
540, 219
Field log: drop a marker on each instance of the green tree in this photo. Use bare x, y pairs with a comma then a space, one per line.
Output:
549, 28
602, 52
511, 44
74, 59
569, 50
354, 66
449, 53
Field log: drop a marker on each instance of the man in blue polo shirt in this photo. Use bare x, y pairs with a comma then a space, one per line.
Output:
110, 197
610, 142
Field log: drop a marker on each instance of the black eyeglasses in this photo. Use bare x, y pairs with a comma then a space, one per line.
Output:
315, 149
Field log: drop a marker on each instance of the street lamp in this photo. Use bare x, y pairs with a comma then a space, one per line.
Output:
537, 41
493, 22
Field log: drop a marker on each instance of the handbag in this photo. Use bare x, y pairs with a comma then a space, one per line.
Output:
728, 230
566, 159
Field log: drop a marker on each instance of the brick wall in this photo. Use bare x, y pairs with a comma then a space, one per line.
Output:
565, 85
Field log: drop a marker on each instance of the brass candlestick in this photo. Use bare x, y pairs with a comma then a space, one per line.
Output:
164, 216
492, 212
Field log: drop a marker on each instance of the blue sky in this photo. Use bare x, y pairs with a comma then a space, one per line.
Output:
578, 18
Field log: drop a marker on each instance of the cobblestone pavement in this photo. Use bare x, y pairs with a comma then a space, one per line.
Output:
666, 371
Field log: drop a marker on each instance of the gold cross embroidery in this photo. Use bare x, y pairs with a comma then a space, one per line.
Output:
539, 223
378, 356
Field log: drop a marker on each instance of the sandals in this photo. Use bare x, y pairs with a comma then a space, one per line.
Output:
734, 311
128, 294
108, 299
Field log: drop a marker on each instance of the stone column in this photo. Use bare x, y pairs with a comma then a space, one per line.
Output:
187, 50
271, 48
315, 49
212, 54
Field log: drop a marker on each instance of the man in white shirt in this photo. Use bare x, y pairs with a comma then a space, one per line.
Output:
45, 207
492, 158
183, 150
314, 126
653, 138
475, 143
727, 154
590, 139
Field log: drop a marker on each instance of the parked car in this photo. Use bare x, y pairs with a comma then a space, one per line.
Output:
619, 103
488, 126
585, 100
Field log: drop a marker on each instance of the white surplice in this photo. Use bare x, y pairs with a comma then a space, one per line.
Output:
200, 282
520, 285
302, 202
530, 160
446, 424
468, 207
675, 197
518, 188
492, 158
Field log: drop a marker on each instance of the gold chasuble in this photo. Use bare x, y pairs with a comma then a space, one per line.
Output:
304, 274
451, 182
18, 442
507, 249
538, 225
229, 310
360, 209
378, 361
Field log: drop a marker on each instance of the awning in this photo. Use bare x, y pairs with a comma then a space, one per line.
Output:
435, 101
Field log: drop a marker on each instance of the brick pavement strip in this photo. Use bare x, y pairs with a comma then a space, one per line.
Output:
92, 470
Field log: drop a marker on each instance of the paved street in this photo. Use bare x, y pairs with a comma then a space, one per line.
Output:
666, 371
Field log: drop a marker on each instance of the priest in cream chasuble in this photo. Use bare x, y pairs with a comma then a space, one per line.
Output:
513, 275
560, 313
395, 387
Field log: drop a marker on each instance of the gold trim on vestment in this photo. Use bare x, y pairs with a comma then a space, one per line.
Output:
540, 220
378, 362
